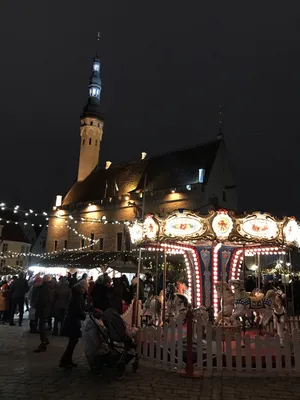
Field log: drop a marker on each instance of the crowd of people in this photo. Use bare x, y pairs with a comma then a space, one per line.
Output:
60, 306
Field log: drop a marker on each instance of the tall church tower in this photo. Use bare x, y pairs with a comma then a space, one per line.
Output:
91, 128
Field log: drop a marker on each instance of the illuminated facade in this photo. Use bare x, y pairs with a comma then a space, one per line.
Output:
106, 196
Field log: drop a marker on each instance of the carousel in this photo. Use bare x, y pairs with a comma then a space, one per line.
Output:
217, 250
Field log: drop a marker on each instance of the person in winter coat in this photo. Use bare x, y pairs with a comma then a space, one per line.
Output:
52, 287
75, 314
41, 300
17, 292
117, 295
102, 293
3, 302
61, 300
33, 323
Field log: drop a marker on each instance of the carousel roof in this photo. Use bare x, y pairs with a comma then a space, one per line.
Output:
223, 226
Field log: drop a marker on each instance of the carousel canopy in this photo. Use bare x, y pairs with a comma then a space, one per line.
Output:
222, 226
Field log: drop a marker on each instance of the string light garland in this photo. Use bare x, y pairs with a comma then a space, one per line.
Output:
66, 216
42, 255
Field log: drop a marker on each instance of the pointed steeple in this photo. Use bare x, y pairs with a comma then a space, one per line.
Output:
91, 126
221, 122
92, 108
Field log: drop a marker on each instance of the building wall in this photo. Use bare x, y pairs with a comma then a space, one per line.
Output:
159, 203
39, 245
18, 247
221, 182
198, 198
90, 135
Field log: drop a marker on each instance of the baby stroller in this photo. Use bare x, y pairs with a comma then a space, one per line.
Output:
107, 345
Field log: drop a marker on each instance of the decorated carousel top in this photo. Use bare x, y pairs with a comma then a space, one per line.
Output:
222, 225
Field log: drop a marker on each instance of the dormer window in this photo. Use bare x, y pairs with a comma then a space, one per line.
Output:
201, 175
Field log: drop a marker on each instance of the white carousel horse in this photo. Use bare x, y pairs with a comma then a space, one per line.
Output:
226, 295
152, 309
176, 303
244, 302
279, 314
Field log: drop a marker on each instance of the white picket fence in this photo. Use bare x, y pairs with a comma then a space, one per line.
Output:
216, 350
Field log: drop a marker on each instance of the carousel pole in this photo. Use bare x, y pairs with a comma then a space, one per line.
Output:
258, 272
292, 285
156, 277
244, 277
139, 260
164, 287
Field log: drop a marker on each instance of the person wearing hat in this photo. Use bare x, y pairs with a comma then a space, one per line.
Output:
102, 293
75, 314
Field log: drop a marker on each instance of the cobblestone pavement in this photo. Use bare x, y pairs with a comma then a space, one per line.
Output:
27, 375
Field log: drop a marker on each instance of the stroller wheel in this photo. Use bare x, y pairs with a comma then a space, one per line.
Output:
120, 371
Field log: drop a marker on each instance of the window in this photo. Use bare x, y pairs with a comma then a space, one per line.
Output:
201, 175
101, 244
119, 241
92, 122
82, 242
94, 92
96, 142
5, 248
83, 140
224, 196
55, 245
90, 141
66, 244
92, 241
2, 262
96, 67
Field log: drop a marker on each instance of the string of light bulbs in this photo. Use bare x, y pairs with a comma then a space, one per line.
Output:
13, 254
31, 213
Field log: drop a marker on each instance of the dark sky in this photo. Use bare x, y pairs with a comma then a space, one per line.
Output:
166, 68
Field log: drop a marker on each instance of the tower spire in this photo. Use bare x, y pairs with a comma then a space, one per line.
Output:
91, 128
221, 122
92, 107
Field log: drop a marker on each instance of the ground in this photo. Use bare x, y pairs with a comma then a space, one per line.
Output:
27, 375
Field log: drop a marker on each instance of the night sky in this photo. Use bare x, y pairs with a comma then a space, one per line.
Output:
166, 66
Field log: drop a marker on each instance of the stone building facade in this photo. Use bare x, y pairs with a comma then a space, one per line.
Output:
99, 205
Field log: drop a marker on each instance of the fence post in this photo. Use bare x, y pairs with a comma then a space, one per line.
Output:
189, 368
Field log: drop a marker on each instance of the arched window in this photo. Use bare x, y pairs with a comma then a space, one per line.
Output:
90, 141
83, 140
96, 142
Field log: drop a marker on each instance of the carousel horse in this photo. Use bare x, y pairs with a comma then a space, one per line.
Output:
176, 303
263, 305
279, 314
152, 309
226, 295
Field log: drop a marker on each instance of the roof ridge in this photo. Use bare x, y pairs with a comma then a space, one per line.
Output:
163, 154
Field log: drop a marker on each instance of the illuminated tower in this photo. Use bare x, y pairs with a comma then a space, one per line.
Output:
91, 128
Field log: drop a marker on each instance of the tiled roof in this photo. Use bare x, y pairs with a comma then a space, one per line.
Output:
14, 233
170, 170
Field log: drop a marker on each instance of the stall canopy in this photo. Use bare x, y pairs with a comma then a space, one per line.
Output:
123, 262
